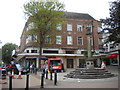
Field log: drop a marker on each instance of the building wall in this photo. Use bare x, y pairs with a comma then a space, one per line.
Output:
62, 48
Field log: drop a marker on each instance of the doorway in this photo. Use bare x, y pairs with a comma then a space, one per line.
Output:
69, 63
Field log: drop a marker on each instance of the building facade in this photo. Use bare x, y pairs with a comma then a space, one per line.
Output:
70, 44
112, 51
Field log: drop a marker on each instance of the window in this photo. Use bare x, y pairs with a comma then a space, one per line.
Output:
69, 52
58, 40
99, 28
80, 41
50, 51
83, 52
34, 38
69, 27
33, 51
30, 26
69, 40
79, 27
31, 38
59, 27
89, 28
27, 51
47, 39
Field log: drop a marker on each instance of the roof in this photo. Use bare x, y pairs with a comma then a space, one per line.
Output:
82, 16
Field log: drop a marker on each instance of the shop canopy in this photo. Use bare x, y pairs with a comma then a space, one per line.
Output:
113, 55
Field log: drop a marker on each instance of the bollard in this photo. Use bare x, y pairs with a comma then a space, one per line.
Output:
43, 73
10, 82
50, 75
46, 74
19, 76
13, 74
55, 78
27, 82
42, 81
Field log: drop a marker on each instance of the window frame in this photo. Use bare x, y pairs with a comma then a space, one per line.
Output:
59, 27
89, 26
69, 42
78, 40
58, 41
31, 38
47, 39
99, 28
69, 27
79, 26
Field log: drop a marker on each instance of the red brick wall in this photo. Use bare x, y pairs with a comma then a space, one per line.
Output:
74, 33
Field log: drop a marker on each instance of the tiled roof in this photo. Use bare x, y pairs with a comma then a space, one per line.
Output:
78, 16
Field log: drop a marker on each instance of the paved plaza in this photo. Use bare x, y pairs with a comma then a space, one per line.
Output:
63, 82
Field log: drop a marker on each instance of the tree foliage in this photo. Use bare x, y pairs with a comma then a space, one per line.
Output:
7, 52
44, 17
112, 24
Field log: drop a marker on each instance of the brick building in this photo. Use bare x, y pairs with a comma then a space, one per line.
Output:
69, 45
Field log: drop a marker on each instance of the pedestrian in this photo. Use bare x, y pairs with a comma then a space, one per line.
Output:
32, 67
103, 66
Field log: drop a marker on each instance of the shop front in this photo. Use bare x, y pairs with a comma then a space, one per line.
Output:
111, 59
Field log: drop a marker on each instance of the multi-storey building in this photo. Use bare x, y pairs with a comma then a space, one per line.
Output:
69, 45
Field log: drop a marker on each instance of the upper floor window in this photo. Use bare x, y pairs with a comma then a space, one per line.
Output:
58, 39
89, 28
99, 28
79, 27
69, 40
47, 39
69, 27
80, 41
31, 38
59, 27
30, 26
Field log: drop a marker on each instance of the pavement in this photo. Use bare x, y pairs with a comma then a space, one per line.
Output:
63, 82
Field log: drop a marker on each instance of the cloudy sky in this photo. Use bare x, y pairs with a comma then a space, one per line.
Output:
12, 18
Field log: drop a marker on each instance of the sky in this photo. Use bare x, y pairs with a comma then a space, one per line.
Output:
12, 18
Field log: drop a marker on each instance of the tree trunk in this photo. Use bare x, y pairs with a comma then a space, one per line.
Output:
40, 55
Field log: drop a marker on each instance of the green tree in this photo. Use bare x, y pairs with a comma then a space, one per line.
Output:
7, 52
43, 16
112, 24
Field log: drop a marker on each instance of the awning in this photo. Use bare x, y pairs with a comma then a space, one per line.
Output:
113, 55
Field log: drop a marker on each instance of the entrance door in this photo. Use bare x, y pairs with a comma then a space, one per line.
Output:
69, 63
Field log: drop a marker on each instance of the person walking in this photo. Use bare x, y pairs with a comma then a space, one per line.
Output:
32, 67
